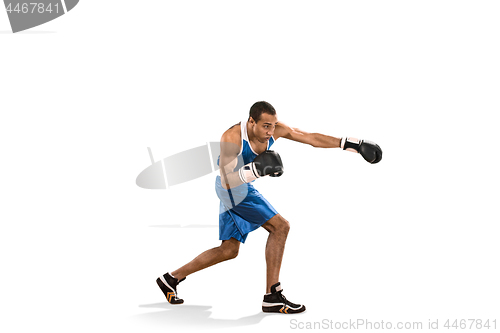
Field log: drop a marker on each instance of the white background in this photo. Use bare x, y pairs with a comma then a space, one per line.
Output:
412, 238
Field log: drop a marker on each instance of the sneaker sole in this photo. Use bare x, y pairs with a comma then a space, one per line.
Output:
281, 308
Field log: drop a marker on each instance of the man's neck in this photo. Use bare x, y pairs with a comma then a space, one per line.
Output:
251, 137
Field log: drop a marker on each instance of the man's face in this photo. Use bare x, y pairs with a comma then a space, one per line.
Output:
264, 129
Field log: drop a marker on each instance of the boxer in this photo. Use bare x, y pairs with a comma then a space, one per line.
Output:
246, 156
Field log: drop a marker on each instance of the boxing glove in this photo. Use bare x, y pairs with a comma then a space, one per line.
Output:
370, 151
267, 163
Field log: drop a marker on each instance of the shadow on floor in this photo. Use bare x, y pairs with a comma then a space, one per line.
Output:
193, 316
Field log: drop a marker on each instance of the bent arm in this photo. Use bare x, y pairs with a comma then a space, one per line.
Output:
228, 161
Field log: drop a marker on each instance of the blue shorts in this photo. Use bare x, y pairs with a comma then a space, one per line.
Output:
241, 212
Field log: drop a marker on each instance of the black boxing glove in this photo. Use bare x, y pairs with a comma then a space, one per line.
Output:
370, 151
267, 163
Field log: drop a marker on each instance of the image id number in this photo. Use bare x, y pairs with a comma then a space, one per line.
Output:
470, 324
33, 8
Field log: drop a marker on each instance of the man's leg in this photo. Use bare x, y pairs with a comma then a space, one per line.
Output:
168, 282
274, 301
227, 250
278, 229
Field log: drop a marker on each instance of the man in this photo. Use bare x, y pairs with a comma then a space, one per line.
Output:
245, 156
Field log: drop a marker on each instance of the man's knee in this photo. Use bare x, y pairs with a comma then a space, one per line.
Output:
285, 226
230, 249
277, 225
230, 253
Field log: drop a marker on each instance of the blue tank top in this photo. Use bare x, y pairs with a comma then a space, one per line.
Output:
247, 154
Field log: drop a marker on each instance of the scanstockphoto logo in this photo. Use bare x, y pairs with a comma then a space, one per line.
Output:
25, 15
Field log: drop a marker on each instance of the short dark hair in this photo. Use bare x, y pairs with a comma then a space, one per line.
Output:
259, 108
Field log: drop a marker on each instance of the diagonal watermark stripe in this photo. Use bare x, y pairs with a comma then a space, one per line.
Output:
189, 165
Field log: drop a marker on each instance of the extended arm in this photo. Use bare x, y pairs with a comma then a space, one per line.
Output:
370, 151
314, 139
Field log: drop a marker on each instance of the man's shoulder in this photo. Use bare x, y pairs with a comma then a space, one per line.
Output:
233, 134
282, 130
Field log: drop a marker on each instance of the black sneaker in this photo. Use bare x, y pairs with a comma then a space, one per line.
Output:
168, 284
277, 302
